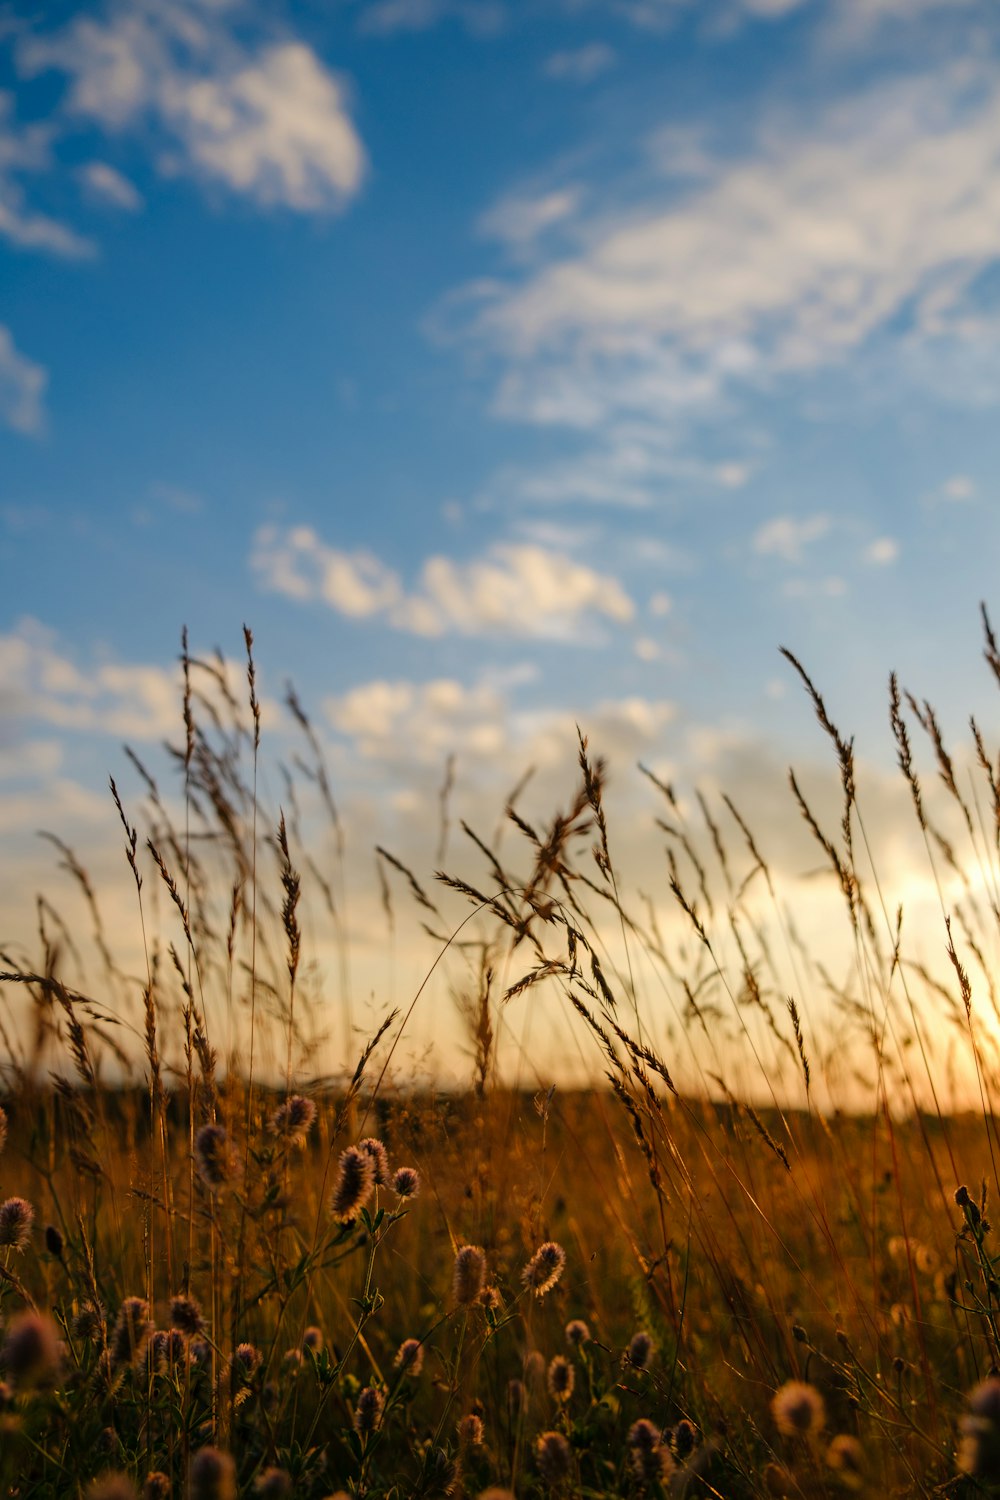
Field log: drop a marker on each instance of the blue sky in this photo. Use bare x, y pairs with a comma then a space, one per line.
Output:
505, 366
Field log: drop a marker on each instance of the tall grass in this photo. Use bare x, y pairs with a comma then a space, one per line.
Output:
225, 1272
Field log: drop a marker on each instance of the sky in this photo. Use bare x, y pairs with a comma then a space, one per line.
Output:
507, 367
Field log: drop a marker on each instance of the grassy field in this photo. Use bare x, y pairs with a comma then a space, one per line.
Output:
222, 1274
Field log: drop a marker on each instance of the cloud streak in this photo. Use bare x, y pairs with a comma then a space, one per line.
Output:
514, 590
22, 387
885, 209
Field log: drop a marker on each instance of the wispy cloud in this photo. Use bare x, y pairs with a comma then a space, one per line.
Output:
24, 150
399, 722
268, 119
22, 387
106, 183
41, 682
514, 590
787, 537
520, 220
581, 64
386, 17
883, 206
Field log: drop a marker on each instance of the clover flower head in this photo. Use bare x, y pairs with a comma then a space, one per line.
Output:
544, 1268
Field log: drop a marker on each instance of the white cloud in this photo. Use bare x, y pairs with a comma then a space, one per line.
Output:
732, 476
827, 228
386, 17
882, 551
107, 183
832, 587
786, 537
27, 149
518, 221
581, 64
958, 487
40, 682
270, 120
515, 589
22, 387
401, 723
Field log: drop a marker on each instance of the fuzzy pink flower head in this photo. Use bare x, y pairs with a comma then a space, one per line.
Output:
247, 1360
410, 1357
380, 1156
273, 1484
293, 1120
186, 1314
406, 1182
213, 1475
131, 1332
544, 1268
640, 1350
368, 1412
846, 1457
31, 1353
213, 1156
353, 1188
16, 1219
111, 1487
554, 1456
562, 1378
797, 1408
469, 1274
469, 1431
577, 1333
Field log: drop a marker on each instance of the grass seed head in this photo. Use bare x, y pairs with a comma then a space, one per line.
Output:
544, 1268
353, 1188
16, 1219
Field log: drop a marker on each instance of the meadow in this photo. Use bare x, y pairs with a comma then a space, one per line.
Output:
225, 1273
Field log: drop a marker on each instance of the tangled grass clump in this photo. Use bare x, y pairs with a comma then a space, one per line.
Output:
691, 1279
